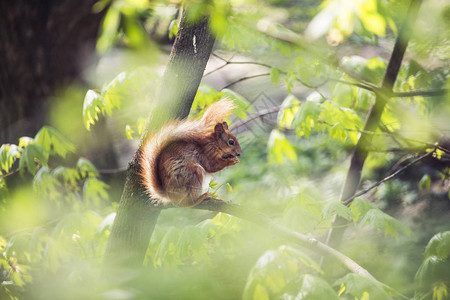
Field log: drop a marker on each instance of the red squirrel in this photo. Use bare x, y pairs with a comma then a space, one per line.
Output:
175, 159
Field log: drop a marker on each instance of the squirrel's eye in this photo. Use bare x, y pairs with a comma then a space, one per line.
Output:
231, 142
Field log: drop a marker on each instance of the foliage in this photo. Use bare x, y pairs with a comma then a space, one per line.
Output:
57, 208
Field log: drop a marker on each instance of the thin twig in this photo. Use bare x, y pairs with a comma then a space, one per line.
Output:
349, 199
9, 173
245, 78
432, 93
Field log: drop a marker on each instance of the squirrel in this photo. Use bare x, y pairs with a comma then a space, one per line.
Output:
175, 159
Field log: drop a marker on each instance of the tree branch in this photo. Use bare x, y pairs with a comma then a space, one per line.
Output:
348, 200
265, 222
360, 153
432, 93
245, 78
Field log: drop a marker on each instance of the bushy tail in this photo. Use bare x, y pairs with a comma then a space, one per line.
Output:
188, 130
217, 112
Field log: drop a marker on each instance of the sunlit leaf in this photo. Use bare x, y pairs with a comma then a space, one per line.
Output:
439, 245
94, 190
129, 132
287, 112
336, 207
53, 141
86, 168
32, 155
313, 287
425, 182
384, 222
274, 76
109, 29
173, 29
357, 285
8, 155
280, 149
305, 119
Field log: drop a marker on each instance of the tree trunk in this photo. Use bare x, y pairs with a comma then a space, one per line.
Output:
44, 45
361, 150
136, 217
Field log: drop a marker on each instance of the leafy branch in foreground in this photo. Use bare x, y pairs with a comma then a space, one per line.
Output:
363, 85
218, 205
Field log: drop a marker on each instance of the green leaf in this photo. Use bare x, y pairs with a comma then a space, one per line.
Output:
260, 293
274, 76
433, 269
371, 19
439, 245
94, 190
306, 117
425, 182
356, 285
45, 184
336, 207
301, 219
109, 29
32, 155
8, 155
129, 132
114, 91
93, 106
315, 288
280, 149
360, 207
173, 29
141, 122
69, 175
287, 112
229, 189
136, 36
24, 141
86, 168
53, 142
384, 222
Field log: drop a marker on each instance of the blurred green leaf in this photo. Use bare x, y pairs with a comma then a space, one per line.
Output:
384, 222
94, 190
86, 168
32, 155
425, 182
110, 27
356, 285
306, 117
173, 29
8, 155
287, 112
280, 149
274, 76
336, 207
439, 245
129, 132
53, 141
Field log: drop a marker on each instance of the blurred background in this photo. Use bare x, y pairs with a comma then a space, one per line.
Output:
79, 78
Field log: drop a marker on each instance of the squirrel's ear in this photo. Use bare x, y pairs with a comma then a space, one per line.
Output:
225, 125
219, 128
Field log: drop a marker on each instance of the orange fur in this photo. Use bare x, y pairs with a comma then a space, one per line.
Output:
174, 159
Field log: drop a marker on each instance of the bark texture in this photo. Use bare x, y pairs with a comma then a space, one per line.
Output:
44, 45
136, 217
